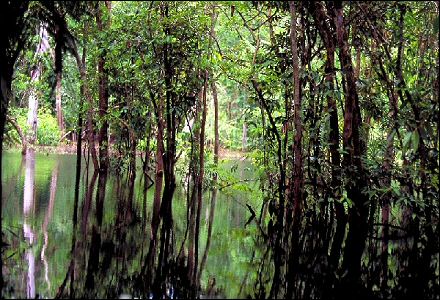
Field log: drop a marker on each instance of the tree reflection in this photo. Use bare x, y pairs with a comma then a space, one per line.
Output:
28, 205
47, 218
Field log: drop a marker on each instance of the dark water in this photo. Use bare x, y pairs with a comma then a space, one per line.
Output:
38, 206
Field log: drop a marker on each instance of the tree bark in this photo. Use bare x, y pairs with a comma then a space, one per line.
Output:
81, 64
12, 14
20, 133
200, 177
103, 25
357, 234
298, 158
32, 119
244, 137
387, 164
59, 76
169, 160
214, 181
158, 180
322, 22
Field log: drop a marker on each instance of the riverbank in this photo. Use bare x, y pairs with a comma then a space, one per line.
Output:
224, 153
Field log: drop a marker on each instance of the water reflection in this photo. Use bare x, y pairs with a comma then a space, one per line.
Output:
47, 218
113, 250
28, 205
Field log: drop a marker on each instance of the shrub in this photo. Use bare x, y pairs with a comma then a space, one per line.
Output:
48, 132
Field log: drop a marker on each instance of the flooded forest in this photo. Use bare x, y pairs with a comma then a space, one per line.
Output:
219, 149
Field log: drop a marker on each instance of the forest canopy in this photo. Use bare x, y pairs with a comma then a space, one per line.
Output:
335, 104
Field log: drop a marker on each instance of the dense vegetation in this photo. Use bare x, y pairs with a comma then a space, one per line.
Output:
335, 103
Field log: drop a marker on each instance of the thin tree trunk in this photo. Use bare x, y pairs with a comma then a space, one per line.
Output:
200, 178
58, 103
59, 76
159, 172
341, 218
32, 119
321, 20
357, 234
214, 181
103, 91
81, 64
298, 158
145, 168
158, 183
244, 137
387, 165
169, 160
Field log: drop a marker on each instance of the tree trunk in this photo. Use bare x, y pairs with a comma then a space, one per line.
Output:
32, 119
103, 25
216, 131
200, 178
298, 158
145, 168
387, 165
58, 104
326, 33
12, 41
297, 148
20, 133
214, 181
244, 137
169, 159
59, 76
81, 64
158, 183
357, 234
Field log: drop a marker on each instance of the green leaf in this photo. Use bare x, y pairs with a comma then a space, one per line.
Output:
436, 25
415, 139
406, 141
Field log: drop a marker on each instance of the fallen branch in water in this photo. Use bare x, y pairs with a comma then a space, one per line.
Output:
14, 123
237, 182
253, 215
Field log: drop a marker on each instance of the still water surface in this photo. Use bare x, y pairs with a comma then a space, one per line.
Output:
38, 206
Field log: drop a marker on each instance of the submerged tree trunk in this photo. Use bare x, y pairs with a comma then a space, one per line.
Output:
95, 245
169, 160
214, 181
358, 215
387, 165
327, 34
145, 169
298, 180
194, 170
200, 178
159, 172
